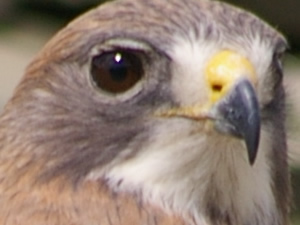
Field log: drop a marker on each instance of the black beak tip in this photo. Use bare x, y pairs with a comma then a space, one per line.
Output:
252, 148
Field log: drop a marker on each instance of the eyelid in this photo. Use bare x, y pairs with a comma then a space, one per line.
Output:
123, 44
131, 44
278, 58
277, 67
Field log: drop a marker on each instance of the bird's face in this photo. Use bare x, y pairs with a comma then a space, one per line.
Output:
150, 96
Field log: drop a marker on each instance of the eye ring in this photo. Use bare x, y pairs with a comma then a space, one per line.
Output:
116, 71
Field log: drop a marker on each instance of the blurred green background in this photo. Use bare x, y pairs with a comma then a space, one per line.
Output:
26, 25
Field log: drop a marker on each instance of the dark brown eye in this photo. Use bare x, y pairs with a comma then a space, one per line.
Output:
116, 71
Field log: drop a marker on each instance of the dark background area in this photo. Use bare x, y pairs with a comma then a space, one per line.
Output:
282, 14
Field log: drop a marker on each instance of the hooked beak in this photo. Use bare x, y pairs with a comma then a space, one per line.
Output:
232, 103
238, 114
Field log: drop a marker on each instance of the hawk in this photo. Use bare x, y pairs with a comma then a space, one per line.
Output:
149, 112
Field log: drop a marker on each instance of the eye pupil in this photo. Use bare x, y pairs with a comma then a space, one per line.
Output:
116, 72
119, 69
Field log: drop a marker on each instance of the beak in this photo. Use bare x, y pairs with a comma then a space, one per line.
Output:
231, 79
238, 114
232, 102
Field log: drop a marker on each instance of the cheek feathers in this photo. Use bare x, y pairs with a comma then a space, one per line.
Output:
188, 82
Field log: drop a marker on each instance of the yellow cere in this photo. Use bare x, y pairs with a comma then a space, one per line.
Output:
224, 69
221, 73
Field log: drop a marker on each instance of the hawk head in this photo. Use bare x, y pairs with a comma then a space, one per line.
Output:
179, 103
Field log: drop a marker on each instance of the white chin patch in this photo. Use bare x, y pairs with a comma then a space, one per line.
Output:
181, 164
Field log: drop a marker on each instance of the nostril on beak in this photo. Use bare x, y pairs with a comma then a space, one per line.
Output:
217, 88
223, 70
